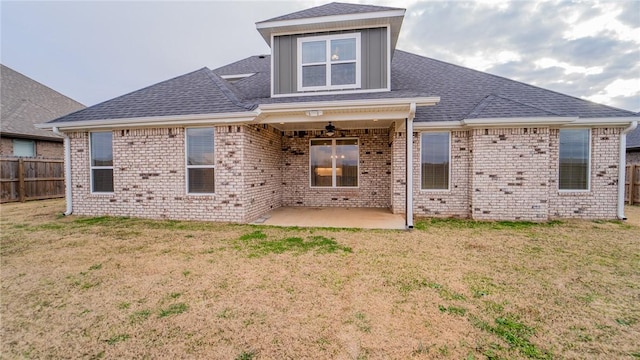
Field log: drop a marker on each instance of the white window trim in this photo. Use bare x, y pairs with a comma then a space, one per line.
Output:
187, 166
92, 167
33, 147
327, 39
448, 189
588, 189
333, 164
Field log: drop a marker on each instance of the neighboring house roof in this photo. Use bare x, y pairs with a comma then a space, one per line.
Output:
633, 139
464, 94
25, 102
331, 9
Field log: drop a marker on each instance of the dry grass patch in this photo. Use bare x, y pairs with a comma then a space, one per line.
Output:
77, 287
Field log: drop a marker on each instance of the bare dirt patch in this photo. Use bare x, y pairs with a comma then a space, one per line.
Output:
75, 287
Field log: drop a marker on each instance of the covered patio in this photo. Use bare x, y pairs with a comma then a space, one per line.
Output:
365, 218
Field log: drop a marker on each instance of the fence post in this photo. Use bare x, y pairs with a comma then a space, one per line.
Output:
632, 183
21, 188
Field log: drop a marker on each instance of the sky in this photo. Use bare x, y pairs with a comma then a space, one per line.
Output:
95, 51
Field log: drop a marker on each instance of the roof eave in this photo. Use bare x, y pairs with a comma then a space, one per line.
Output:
349, 104
181, 120
551, 121
53, 137
393, 18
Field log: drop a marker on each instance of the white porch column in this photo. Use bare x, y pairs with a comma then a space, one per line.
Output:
409, 165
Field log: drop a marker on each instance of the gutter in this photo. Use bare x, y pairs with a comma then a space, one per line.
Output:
67, 171
622, 166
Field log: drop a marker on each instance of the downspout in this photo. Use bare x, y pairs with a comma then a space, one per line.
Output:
409, 165
622, 163
67, 171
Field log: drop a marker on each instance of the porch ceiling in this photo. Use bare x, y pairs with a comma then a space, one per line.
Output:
340, 125
344, 118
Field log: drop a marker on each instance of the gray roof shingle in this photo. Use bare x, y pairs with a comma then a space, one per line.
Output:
331, 9
464, 94
198, 92
25, 102
633, 139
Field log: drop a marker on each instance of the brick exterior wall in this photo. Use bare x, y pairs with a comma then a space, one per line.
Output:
262, 164
149, 177
510, 174
506, 174
50, 149
6, 146
373, 177
44, 149
601, 201
448, 203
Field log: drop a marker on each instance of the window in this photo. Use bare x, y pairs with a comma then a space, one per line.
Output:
329, 62
200, 161
334, 162
574, 159
24, 148
101, 162
435, 159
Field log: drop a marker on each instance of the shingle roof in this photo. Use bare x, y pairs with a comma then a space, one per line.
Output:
462, 89
464, 94
494, 106
331, 9
25, 102
633, 139
198, 92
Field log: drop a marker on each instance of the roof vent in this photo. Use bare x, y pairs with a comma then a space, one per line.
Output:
261, 56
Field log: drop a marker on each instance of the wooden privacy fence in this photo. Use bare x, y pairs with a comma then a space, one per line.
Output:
31, 179
632, 184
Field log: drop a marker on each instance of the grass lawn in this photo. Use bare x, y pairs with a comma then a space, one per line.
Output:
78, 287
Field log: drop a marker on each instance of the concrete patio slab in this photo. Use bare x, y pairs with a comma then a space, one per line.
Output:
365, 218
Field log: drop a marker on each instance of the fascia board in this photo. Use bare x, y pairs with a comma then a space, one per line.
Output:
295, 118
520, 122
327, 19
433, 125
238, 76
223, 118
614, 121
11, 135
517, 122
347, 104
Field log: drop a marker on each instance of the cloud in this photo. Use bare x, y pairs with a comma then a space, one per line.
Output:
584, 49
100, 50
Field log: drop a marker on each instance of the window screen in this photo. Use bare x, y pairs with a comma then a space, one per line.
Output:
574, 159
435, 161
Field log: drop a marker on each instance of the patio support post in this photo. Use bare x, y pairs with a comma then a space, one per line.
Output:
409, 165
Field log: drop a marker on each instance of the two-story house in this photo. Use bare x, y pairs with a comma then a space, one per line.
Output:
323, 121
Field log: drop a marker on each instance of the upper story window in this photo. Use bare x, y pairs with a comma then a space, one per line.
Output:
101, 146
575, 159
329, 62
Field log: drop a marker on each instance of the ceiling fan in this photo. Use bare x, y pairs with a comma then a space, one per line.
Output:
330, 130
